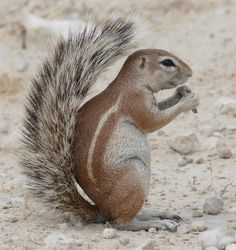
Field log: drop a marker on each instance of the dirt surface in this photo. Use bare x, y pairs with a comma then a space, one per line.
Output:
200, 32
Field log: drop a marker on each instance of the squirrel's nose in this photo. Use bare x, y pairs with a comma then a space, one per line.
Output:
189, 72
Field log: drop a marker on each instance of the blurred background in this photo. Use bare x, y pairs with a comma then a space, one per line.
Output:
193, 158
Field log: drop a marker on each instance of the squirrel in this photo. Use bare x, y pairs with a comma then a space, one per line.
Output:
101, 145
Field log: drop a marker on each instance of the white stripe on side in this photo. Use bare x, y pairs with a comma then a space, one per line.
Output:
101, 124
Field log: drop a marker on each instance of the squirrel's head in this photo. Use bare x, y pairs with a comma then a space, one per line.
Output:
158, 69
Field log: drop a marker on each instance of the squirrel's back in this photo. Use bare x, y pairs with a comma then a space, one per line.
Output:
52, 110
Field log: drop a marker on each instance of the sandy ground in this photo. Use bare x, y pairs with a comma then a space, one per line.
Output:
200, 32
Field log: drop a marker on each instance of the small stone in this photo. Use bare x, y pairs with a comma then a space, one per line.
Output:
213, 205
232, 225
161, 132
184, 144
231, 247
184, 229
211, 248
226, 240
199, 226
223, 151
72, 242
147, 245
218, 238
227, 106
21, 65
197, 214
124, 241
109, 233
183, 161
57, 238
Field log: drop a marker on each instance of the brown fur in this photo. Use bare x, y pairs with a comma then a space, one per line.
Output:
102, 145
119, 192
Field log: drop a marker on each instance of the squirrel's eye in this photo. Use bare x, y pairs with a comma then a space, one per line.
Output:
168, 63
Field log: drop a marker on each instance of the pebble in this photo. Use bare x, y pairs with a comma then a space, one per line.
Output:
57, 238
124, 241
231, 247
213, 205
183, 161
152, 230
161, 133
232, 225
147, 245
184, 229
184, 144
109, 233
211, 248
223, 151
197, 214
198, 226
218, 238
21, 65
227, 106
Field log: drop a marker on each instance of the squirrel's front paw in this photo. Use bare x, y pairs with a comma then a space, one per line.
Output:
190, 102
183, 90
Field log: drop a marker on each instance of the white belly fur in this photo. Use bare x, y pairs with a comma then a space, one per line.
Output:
128, 146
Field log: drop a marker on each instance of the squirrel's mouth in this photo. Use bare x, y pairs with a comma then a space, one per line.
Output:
179, 80
174, 84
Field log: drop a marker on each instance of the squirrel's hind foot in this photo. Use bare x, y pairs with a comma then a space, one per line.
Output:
138, 225
159, 220
165, 215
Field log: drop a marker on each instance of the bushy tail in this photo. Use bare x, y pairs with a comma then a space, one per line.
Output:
56, 94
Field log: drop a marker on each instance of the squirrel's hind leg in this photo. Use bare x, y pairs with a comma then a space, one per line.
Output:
159, 220
165, 215
138, 225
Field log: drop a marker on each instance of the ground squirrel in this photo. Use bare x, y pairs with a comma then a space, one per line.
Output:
102, 144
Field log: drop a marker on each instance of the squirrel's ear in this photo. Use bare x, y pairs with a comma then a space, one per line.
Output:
142, 63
